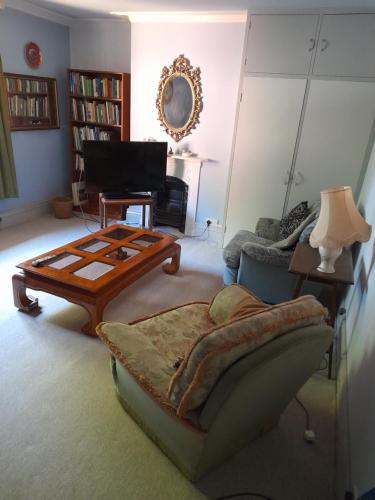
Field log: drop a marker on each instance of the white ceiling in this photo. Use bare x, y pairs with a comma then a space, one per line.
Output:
75, 9
102, 8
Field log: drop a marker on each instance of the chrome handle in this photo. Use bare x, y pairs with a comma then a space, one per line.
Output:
325, 44
312, 46
286, 178
298, 179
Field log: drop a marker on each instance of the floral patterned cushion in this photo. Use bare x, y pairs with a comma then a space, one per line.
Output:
225, 301
148, 349
247, 306
214, 351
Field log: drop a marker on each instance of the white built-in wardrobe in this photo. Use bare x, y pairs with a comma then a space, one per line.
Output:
306, 112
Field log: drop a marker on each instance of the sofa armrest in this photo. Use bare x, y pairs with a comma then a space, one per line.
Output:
268, 228
267, 254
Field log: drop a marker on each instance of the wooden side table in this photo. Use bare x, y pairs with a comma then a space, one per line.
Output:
126, 203
304, 263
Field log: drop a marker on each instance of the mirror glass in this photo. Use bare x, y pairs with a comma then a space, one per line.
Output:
179, 99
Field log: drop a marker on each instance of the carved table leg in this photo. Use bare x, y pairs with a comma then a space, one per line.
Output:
21, 300
95, 317
174, 265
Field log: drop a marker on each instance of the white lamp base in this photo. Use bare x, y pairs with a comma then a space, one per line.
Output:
328, 258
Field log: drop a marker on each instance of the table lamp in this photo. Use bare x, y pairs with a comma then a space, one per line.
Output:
340, 224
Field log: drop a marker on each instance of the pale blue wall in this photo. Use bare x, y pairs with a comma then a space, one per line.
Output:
41, 156
358, 391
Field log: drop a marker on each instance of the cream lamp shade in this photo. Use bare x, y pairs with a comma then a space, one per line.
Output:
340, 224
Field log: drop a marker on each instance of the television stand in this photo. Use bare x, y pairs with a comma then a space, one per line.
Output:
127, 200
126, 196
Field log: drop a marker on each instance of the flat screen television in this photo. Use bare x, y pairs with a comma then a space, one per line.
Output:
124, 167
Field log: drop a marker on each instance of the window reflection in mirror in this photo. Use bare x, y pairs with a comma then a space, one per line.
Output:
177, 101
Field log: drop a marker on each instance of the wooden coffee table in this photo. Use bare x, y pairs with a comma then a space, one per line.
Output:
91, 271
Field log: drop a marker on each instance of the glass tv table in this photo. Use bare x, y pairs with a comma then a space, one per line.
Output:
91, 271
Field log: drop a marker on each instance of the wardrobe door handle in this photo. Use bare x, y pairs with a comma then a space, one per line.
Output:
312, 46
325, 44
298, 179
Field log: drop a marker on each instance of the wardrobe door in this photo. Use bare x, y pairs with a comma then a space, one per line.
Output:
335, 135
268, 120
281, 43
346, 46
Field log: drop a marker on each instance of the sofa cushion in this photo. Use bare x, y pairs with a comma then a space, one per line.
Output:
214, 351
293, 219
225, 301
149, 348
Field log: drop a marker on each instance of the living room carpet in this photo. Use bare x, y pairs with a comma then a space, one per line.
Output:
63, 433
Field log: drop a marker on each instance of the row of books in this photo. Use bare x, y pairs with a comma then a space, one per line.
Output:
106, 112
36, 107
95, 87
89, 134
26, 86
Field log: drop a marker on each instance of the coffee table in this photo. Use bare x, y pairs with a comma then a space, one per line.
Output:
91, 271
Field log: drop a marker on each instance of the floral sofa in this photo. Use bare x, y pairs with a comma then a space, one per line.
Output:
202, 380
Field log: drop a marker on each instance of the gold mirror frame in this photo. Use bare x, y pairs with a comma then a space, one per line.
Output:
180, 68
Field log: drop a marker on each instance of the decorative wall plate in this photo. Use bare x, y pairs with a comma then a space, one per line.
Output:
33, 55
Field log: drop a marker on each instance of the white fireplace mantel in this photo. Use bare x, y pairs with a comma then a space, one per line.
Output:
188, 169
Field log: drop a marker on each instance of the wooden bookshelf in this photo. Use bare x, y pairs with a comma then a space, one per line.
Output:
99, 109
32, 102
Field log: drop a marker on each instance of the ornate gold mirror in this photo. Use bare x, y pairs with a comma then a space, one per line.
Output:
179, 99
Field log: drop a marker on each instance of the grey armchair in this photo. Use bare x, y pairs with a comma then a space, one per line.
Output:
259, 261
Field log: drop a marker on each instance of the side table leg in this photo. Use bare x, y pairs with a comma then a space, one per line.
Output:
151, 216
174, 265
21, 300
297, 288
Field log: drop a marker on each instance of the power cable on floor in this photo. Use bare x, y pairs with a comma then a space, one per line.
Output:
245, 493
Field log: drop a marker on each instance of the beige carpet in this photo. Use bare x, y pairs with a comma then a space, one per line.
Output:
63, 434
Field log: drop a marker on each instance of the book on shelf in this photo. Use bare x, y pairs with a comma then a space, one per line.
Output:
79, 163
26, 86
95, 86
106, 113
33, 107
86, 133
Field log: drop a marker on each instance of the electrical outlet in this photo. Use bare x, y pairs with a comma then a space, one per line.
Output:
213, 222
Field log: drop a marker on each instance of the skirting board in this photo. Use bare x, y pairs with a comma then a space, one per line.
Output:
25, 213
214, 234
342, 435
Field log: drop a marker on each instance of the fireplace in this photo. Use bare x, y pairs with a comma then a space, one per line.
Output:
170, 205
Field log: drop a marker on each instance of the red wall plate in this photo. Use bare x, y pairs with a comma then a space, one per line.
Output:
33, 55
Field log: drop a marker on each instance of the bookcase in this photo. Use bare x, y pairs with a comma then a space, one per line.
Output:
32, 102
99, 109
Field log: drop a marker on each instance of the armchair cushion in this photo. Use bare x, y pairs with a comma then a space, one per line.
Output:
267, 254
248, 306
225, 301
293, 219
232, 252
293, 238
215, 350
268, 228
